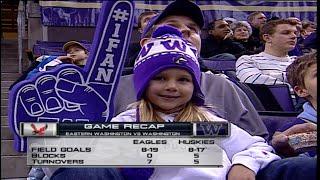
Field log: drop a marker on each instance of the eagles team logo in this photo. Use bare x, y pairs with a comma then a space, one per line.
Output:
38, 131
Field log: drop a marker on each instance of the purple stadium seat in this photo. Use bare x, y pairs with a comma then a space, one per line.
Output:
53, 48
275, 120
282, 94
219, 65
274, 97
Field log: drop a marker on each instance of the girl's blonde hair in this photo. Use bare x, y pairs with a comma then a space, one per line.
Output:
190, 113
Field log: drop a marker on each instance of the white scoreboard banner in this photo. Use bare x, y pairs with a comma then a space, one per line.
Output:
124, 151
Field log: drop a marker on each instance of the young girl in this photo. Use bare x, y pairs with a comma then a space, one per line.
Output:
167, 84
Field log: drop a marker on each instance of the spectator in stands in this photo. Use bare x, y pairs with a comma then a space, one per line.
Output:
308, 36
256, 20
241, 33
241, 30
144, 18
269, 66
77, 54
167, 84
302, 76
219, 44
298, 49
231, 102
310, 41
308, 27
135, 47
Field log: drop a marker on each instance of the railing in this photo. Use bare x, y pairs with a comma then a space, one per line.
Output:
21, 22
13, 20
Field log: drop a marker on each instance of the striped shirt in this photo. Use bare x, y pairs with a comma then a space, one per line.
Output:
263, 68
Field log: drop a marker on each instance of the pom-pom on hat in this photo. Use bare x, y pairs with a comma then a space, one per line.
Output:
167, 49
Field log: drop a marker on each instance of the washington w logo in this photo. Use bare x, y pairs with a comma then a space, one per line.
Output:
210, 129
213, 129
39, 131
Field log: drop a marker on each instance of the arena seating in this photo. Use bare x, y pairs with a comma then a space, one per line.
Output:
52, 48
274, 97
55, 49
219, 65
273, 100
275, 120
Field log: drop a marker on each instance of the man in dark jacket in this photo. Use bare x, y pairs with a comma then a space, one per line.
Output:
219, 44
256, 20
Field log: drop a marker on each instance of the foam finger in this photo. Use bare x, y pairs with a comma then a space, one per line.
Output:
31, 101
48, 95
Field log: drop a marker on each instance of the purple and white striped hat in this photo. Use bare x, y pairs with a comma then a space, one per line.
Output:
167, 49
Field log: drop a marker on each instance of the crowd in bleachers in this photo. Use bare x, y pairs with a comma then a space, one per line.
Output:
253, 58
235, 48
